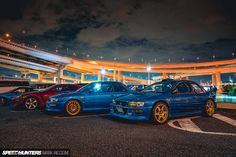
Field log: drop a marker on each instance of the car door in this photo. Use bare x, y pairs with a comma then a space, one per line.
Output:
181, 99
199, 97
99, 97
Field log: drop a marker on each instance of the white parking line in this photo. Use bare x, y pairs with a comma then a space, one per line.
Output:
225, 119
188, 125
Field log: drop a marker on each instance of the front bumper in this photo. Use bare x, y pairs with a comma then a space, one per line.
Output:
55, 107
130, 113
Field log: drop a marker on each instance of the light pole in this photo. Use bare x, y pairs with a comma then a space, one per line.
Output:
198, 59
103, 72
8, 36
148, 70
232, 54
213, 57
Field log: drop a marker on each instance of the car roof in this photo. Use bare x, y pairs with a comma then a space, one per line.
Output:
106, 82
177, 81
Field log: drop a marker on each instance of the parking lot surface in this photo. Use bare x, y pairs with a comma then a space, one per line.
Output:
99, 134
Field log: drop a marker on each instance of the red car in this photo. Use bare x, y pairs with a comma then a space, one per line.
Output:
38, 99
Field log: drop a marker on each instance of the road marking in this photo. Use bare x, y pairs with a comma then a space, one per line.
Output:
187, 125
87, 116
225, 119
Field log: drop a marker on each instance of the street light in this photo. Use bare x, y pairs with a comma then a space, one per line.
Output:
148, 70
103, 72
213, 57
233, 54
7, 35
198, 59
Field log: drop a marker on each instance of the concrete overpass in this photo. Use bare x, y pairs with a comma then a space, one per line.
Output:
26, 59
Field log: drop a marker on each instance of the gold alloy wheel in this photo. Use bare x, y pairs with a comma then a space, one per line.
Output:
160, 113
73, 108
210, 108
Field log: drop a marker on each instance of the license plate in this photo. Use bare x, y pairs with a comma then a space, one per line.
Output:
119, 109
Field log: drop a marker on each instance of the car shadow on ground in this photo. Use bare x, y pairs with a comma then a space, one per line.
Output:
85, 113
125, 121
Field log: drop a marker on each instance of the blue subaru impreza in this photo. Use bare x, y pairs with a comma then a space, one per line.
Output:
94, 96
165, 99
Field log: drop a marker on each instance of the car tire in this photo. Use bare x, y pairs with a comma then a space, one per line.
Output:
209, 108
3, 101
160, 113
73, 108
31, 103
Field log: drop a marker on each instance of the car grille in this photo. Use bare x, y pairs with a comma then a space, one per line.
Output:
122, 103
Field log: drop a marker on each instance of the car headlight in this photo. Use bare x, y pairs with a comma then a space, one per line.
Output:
136, 104
113, 101
53, 99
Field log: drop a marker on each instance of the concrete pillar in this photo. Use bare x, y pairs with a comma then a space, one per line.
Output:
164, 75
82, 78
114, 75
99, 76
54, 79
218, 82
187, 78
119, 79
124, 80
213, 79
60, 74
40, 77
180, 77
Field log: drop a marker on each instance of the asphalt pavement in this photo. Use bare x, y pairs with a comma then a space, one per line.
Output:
99, 134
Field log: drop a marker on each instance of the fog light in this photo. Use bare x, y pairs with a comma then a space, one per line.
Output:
139, 111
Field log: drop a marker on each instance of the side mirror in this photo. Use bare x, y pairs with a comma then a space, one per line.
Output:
174, 91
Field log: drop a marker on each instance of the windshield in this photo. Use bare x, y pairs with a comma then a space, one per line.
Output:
160, 87
86, 88
48, 88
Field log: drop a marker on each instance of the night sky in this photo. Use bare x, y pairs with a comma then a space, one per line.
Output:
137, 31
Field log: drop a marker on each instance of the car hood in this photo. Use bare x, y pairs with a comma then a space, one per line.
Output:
8, 94
138, 96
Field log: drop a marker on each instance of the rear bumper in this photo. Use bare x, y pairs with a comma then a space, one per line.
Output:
131, 113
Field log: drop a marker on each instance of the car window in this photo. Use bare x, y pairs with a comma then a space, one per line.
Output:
20, 90
119, 87
102, 87
73, 88
183, 88
61, 88
197, 88
159, 87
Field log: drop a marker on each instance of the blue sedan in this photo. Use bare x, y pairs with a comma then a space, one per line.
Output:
168, 98
9, 97
94, 96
